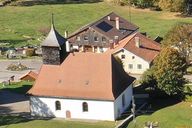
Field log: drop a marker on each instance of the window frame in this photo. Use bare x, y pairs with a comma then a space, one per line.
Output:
130, 65
85, 107
139, 66
57, 105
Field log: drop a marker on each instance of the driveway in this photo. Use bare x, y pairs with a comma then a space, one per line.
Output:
33, 65
13, 103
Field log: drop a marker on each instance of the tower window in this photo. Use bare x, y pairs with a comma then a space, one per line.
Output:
57, 105
85, 107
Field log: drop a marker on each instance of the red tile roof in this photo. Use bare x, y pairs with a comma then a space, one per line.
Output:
83, 76
31, 74
148, 50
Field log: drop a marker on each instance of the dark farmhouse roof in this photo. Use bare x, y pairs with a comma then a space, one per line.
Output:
54, 39
108, 27
83, 76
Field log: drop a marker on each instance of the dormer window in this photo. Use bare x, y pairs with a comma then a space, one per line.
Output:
96, 39
86, 38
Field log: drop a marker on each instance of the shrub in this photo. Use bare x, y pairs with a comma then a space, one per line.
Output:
188, 98
18, 67
30, 52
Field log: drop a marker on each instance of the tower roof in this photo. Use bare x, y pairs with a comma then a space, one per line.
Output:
54, 39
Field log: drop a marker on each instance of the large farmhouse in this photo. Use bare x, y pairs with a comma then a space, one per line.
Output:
80, 85
101, 35
137, 53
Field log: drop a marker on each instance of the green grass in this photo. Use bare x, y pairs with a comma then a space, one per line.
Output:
18, 22
175, 116
19, 122
17, 87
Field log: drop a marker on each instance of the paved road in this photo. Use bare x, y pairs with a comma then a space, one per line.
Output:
13, 103
5, 74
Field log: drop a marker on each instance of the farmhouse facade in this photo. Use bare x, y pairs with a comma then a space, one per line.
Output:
137, 53
101, 35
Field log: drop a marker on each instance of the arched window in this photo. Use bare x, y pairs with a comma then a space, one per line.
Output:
85, 107
57, 105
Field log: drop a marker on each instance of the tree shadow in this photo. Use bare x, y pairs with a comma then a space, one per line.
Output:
8, 97
51, 2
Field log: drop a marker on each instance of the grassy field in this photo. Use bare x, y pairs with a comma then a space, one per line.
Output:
18, 122
174, 116
21, 25
17, 87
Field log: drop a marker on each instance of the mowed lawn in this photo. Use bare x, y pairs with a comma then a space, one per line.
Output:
175, 116
18, 122
20, 25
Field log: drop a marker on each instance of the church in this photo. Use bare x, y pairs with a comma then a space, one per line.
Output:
79, 85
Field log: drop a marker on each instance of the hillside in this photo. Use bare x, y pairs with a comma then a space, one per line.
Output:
22, 25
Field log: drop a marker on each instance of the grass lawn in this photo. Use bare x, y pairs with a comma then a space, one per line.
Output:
174, 116
17, 87
18, 122
20, 25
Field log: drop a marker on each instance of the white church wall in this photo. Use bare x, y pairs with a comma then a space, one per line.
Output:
97, 110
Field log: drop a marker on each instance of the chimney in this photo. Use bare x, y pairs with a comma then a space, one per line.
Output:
117, 22
111, 44
137, 42
67, 46
109, 18
66, 34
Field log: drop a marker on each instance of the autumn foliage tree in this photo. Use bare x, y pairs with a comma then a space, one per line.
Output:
169, 69
167, 72
180, 37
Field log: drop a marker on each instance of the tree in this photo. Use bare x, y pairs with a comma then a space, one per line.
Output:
180, 37
148, 78
173, 5
169, 68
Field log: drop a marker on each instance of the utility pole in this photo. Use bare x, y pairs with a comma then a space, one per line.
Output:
129, 10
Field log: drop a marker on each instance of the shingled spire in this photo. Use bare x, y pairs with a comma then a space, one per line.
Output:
53, 47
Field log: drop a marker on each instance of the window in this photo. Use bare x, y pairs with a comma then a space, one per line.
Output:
86, 38
122, 56
85, 107
57, 105
78, 38
139, 66
123, 100
103, 39
130, 66
96, 39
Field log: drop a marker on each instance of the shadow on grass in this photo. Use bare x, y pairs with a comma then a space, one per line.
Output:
16, 118
12, 95
50, 2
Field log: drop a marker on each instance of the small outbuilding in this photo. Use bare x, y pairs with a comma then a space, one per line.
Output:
30, 76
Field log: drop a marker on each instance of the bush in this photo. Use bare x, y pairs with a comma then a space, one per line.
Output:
188, 98
189, 70
30, 52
